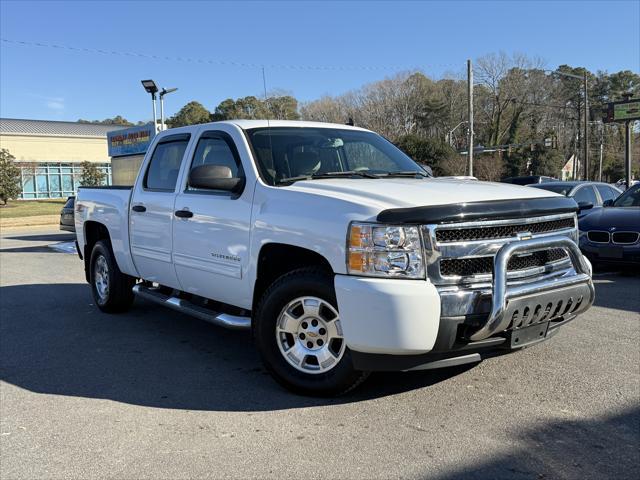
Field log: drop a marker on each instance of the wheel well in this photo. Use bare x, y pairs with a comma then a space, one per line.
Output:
276, 259
93, 233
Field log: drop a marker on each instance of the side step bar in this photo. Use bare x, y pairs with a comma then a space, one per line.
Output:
221, 319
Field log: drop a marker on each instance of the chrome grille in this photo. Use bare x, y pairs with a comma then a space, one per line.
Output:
446, 235
596, 236
463, 253
625, 237
463, 267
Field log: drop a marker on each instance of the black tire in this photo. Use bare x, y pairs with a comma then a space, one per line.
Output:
314, 282
119, 296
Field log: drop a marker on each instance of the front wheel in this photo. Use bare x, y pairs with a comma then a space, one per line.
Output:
111, 289
298, 333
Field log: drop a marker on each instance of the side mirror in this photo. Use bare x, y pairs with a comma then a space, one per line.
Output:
608, 203
428, 169
584, 206
214, 177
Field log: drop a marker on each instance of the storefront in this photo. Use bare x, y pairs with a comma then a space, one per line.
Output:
126, 149
49, 153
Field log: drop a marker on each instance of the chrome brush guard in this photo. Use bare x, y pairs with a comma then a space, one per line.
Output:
518, 306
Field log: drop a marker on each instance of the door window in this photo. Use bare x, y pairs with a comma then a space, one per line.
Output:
217, 148
607, 193
586, 194
164, 166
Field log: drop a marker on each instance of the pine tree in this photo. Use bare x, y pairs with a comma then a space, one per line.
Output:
9, 177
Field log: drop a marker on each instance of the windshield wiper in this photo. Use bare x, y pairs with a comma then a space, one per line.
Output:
347, 174
315, 176
405, 173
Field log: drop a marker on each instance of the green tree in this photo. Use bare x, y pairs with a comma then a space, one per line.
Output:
192, 113
275, 107
427, 151
117, 120
548, 162
90, 175
9, 177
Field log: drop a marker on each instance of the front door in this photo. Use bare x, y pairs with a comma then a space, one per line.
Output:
152, 211
211, 243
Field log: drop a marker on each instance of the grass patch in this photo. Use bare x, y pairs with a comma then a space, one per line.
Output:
30, 208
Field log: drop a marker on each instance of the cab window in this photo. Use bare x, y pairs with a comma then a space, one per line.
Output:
217, 148
162, 173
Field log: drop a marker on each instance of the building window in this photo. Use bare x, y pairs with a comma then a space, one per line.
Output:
55, 180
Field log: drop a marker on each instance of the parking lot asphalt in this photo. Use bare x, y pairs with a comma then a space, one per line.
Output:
155, 394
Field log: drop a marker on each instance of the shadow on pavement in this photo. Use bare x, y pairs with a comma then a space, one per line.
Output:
36, 249
568, 449
47, 237
54, 341
608, 292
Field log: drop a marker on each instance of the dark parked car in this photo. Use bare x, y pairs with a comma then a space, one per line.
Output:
529, 179
66, 216
588, 195
612, 234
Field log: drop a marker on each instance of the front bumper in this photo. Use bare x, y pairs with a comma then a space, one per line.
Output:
617, 254
395, 324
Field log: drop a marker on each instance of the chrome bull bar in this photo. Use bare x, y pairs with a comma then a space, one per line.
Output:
538, 301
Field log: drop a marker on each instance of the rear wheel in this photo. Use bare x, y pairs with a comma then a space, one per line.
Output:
111, 289
298, 333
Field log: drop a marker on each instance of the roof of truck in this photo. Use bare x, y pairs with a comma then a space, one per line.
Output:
248, 124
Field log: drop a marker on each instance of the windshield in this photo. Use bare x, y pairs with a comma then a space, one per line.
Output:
630, 198
286, 154
561, 189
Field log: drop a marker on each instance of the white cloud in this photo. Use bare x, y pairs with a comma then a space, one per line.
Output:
55, 103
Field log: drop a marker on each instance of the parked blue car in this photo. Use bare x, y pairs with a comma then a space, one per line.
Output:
612, 234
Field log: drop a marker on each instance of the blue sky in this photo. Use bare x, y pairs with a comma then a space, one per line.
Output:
438, 37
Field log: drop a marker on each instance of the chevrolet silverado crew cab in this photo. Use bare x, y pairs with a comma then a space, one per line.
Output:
339, 253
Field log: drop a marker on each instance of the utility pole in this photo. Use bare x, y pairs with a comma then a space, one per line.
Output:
627, 152
586, 128
470, 99
601, 151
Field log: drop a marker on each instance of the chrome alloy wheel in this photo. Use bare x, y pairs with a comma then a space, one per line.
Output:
309, 335
101, 278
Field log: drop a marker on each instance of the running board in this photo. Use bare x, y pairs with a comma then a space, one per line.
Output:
225, 320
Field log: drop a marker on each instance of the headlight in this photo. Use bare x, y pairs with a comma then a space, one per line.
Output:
384, 251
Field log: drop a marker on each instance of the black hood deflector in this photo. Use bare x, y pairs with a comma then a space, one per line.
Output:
478, 211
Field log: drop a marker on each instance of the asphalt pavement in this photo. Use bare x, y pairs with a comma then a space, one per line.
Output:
156, 394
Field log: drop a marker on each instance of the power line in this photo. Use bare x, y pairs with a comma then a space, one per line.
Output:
222, 62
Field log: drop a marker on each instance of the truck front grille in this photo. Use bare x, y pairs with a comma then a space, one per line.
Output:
464, 267
463, 253
490, 232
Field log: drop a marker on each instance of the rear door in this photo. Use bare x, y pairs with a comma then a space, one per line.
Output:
152, 211
211, 245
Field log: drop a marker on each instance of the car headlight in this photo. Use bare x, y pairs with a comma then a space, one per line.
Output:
384, 251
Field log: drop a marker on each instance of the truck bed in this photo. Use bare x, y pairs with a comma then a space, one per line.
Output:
108, 205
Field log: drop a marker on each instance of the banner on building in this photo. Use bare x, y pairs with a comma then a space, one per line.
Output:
130, 141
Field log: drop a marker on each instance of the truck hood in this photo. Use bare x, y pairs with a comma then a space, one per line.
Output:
385, 193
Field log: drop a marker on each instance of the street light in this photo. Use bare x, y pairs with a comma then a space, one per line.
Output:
165, 91
450, 136
151, 87
586, 116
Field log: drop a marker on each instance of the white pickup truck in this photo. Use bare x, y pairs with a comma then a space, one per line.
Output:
340, 253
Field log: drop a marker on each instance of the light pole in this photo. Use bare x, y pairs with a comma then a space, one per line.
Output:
450, 136
470, 111
164, 92
151, 87
585, 137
